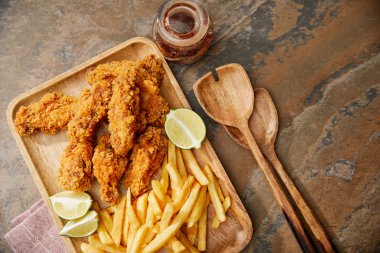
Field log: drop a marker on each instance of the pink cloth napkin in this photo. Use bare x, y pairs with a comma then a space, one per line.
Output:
34, 231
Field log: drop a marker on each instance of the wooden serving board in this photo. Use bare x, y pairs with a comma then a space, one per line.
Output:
42, 152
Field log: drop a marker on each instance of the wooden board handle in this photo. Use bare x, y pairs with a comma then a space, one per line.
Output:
278, 192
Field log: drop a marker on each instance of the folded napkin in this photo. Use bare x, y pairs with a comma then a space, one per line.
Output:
34, 231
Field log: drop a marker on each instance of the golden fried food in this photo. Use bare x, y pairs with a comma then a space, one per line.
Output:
75, 172
108, 70
153, 107
147, 156
124, 110
108, 168
49, 115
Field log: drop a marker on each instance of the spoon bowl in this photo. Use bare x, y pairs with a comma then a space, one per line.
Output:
263, 121
228, 98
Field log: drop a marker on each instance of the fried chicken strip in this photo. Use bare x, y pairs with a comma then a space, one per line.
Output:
75, 172
49, 115
108, 168
123, 113
147, 156
153, 107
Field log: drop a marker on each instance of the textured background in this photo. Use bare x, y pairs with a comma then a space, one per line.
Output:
320, 60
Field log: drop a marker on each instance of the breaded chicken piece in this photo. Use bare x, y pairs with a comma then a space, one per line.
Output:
49, 115
153, 107
108, 167
75, 172
124, 110
147, 156
108, 70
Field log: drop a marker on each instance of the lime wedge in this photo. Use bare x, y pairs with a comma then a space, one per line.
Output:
71, 205
185, 128
81, 227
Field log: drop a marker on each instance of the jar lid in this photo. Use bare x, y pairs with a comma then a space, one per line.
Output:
182, 23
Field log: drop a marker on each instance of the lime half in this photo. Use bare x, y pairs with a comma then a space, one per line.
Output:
185, 128
71, 205
81, 227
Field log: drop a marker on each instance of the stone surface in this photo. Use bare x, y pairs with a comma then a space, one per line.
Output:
320, 60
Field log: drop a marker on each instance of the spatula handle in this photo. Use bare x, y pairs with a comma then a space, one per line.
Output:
308, 215
278, 192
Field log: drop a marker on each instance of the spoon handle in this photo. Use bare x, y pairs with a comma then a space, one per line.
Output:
308, 215
278, 192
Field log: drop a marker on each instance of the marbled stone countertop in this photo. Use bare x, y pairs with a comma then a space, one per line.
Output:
320, 60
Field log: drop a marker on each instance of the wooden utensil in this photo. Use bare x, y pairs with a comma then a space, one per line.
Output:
230, 101
264, 125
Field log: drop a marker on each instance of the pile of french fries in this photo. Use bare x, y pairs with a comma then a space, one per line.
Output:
172, 215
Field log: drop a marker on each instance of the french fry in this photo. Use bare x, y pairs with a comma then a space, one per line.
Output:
214, 195
96, 243
150, 217
139, 238
87, 248
131, 237
166, 216
105, 238
172, 159
141, 206
198, 208
159, 193
155, 229
106, 218
162, 238
176, 245
175, 179
133, 220
192, 164
124, 236
226, 204
111, 209
218, 189
164, 176
192, 233
153, 202
185, 241
183, 194
118, 221
181, 164
202, 230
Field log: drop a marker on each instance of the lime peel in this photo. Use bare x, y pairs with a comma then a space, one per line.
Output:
185, 128
71, 205
81, 227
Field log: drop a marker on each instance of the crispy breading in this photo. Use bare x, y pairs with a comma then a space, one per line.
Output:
75, 172
124, 110
153, 107
108, 168
108, 70
147, 156
49, 115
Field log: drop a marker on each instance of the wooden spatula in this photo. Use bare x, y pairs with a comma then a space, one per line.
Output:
229, 100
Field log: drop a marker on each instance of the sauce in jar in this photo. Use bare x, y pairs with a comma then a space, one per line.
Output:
183, 31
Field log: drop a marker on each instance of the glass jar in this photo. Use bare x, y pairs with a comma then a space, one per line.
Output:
183, 31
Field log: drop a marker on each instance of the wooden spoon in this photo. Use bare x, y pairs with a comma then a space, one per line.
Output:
264, 125
230, 101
